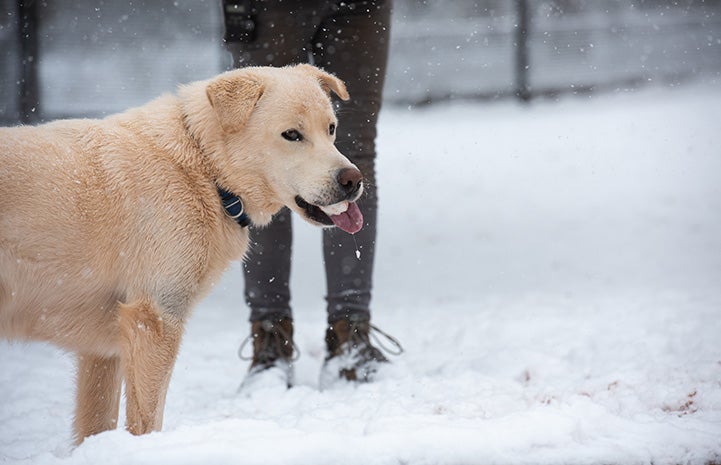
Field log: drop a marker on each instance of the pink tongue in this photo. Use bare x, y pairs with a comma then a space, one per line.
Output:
351, 220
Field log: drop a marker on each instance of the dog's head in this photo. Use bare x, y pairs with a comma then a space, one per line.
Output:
278, 131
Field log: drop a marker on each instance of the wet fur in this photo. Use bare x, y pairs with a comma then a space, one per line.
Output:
111, 230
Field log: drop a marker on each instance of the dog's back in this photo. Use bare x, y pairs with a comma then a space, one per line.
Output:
54, 285
85, 205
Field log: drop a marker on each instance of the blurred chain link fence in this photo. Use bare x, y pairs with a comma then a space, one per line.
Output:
97, 57
470, 49
93, 57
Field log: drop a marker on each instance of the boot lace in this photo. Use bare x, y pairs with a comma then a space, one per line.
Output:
274, 338
361, 332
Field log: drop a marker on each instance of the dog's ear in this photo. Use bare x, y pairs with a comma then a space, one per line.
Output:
233, 98
332, 83
327, 81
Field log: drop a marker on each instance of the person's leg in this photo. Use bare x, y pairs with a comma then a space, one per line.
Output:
267, 270
353, 45
280, 37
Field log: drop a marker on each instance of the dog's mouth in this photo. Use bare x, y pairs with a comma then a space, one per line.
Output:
345, 214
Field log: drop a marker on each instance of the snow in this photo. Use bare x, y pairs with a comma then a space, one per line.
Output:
553, 272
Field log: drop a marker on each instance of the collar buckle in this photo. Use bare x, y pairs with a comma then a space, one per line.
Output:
233, 207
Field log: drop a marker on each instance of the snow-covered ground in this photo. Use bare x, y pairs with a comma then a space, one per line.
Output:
553, 271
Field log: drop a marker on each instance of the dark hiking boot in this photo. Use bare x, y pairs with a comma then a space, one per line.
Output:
273, 353
351, 355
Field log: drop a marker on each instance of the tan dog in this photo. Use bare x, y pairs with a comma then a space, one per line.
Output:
112, 229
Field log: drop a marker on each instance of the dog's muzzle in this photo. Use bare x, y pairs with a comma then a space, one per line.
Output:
343, 213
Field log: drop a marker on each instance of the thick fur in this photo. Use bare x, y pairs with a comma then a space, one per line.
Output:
112, 229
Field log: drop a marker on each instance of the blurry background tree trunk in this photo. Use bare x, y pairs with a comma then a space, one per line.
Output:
29, 111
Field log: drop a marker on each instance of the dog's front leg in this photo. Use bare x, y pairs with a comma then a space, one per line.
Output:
150, 341
98, 395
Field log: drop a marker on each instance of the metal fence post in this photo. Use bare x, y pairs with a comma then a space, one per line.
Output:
28, 60
522, 89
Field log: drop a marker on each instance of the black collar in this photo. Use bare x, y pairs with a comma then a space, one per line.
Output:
233, 207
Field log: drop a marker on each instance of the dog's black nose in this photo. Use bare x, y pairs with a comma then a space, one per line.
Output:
350, 180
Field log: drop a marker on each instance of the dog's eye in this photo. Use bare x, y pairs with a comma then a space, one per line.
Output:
331, 129
292, 135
